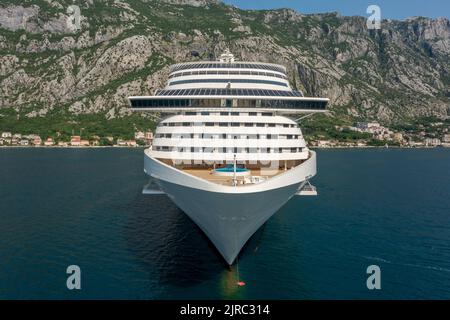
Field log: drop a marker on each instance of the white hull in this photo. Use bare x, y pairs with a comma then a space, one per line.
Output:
228, 215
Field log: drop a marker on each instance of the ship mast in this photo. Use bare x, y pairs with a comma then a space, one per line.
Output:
234, 171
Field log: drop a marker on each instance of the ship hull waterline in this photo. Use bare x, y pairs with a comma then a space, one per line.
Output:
228, 215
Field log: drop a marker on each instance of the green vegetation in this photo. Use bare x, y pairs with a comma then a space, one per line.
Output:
60, 125
420, 124
320, 126
382, 143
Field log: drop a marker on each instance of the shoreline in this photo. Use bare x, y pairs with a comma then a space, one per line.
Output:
381, 147
145, 147
71, 147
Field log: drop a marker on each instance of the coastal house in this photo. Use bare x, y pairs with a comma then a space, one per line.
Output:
6, 135
361, 144
131, 143
14, 142
139, 135
94, 141
365, 126
149, 137
62, 144
432, 142
398, 137
324, 143
121, 143
37, 141
24, 142
17, 136
49, 142
75, 141
446, 138
84, 143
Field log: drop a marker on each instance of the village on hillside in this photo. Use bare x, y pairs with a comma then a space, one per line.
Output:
360, 134
374, 134
17, 139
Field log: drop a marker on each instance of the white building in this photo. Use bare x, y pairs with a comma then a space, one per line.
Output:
49, 142
365, 126
139, 135
432, 142
446, 138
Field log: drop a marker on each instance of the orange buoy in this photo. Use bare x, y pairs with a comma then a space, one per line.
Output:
240, 283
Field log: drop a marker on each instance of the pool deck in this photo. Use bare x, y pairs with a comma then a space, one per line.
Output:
206, 173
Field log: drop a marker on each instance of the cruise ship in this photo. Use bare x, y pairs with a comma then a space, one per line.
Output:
227, 149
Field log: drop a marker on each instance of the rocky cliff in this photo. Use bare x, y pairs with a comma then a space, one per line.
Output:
125, 47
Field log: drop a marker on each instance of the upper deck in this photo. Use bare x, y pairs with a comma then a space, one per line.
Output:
228, 84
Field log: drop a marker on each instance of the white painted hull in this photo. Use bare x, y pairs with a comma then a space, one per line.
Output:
228, 215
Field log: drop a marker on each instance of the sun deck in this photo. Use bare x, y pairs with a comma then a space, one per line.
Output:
255, 175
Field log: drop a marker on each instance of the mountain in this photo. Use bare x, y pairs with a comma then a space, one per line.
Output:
50, 71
